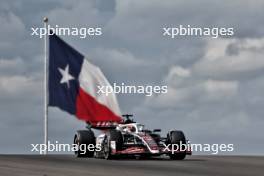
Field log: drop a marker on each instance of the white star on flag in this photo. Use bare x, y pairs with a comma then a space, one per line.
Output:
66, 77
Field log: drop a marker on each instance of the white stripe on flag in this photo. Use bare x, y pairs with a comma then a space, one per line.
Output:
90, 77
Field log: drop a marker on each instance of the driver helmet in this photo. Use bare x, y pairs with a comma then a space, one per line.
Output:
131, 128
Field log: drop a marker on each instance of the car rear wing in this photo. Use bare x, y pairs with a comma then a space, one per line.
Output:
104, 125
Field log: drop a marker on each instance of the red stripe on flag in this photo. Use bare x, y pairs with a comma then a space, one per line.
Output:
89, 110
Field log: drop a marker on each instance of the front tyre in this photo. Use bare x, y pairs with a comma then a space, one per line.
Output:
117, 137
82, 139
107, 148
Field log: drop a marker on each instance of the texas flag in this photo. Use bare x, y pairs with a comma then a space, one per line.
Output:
73, 84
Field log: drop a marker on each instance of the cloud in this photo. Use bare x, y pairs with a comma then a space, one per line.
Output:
220, 89
200, 93
74, 15
15, 66
12, 29
178, 72
231, 58
123, 59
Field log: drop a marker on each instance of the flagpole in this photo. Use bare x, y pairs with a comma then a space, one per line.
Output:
45, 20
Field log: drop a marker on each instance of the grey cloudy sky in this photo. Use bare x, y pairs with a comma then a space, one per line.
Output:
215, 85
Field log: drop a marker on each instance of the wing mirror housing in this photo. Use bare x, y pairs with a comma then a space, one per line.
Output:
157, 130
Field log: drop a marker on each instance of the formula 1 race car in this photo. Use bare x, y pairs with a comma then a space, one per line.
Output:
132, 139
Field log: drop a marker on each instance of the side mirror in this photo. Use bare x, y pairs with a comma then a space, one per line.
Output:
146, 131
157, 130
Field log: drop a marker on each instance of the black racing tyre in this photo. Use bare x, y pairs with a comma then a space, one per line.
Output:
177, 137
116, 136
106, 148
82, 138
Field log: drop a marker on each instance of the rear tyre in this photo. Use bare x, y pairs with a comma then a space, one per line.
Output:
177, 137
82, 139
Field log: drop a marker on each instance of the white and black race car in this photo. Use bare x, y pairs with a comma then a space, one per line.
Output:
132, 139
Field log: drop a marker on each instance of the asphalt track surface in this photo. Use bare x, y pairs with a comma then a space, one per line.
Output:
67, 165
